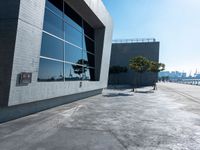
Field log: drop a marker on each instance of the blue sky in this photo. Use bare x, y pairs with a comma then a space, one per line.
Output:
175, 23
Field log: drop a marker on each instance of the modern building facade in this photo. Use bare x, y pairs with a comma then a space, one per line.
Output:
123, 51
51, 52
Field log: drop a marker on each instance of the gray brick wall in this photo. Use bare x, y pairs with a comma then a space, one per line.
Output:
27, 51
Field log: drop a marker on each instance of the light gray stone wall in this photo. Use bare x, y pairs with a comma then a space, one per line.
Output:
27, 51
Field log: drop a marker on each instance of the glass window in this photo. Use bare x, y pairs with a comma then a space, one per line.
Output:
56, 6
72, 53
52, 47
53, 24
88, 74
88, 45
78, 51
72, 17
88, 30
89, 58
73, 72
72, 35
85, 57
50, 70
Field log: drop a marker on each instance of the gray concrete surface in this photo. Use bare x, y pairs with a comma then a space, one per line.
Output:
117, 120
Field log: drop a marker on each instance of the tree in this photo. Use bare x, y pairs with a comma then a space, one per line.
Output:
117, 70
80, 69
156, 67
140, 65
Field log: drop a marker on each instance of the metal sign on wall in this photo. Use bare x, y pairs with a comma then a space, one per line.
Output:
25, 78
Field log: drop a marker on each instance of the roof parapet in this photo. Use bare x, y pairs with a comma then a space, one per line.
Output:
136, 40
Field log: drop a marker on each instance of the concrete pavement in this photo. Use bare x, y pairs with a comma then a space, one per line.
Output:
117, 120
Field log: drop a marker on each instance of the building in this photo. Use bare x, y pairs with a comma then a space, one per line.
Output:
123, 51
173, 74
51, 52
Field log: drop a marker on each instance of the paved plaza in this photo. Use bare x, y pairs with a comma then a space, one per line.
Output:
167, 119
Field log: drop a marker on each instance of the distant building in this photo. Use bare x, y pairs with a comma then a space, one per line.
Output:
197, 75
184, 75
123, 51
173, 74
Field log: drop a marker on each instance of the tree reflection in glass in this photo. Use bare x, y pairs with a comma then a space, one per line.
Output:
80, 68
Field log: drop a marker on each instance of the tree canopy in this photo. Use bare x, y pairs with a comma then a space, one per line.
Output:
139, 64
156, 67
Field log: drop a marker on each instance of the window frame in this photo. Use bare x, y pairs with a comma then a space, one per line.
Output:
65, 41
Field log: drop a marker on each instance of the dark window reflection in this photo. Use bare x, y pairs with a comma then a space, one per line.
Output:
72, 53
68, 25
92, 74
53, 24
56, 6
73, 36
88, 45
86, 75
52, 47
88, 30
72, 17
73, 72
90, 58
89, 74
50, 70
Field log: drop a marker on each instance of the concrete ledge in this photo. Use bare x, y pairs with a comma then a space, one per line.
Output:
14, 112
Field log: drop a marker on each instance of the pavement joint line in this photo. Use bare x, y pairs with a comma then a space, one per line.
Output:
121, 142
87, 129
192, 98
107, 131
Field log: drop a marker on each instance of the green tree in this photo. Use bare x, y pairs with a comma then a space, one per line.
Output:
156, 67
140, 65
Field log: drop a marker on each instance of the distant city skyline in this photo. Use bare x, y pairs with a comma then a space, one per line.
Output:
175, 23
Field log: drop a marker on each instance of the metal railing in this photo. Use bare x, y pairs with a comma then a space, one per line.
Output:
137, 40
188, 81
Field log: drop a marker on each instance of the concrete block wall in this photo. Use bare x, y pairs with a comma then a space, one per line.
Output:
27, 51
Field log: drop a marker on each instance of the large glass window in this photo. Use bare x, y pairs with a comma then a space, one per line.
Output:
88, 30
88, 45
67, 49
86, 74
73, 72
89, 74
73, 36
52, 47
89, 58
56, 6
72, 53
50, 70
72, 17
53, 24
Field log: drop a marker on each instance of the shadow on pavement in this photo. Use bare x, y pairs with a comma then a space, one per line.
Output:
117, 94
145, 92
